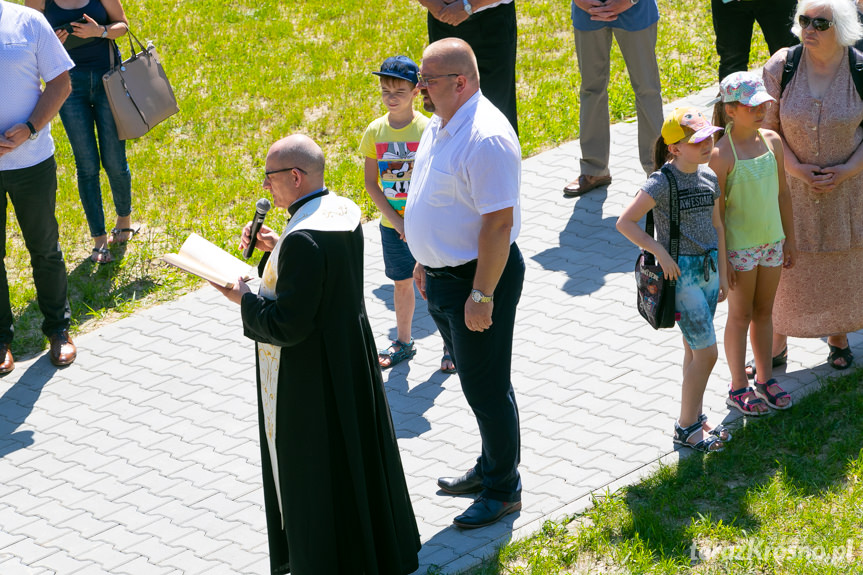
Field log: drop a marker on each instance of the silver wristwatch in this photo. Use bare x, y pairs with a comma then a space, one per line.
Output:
467, 7
104, 31
480, 297
33, 132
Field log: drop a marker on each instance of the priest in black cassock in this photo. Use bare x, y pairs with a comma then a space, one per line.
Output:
334, 488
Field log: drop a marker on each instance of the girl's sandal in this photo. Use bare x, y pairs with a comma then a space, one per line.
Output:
762, 390
397, 352
720, 431
743, 401
710, 443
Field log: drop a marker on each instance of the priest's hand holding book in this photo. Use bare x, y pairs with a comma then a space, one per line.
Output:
266, 240
235, 292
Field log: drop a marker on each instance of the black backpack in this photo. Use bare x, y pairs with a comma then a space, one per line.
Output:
792, 59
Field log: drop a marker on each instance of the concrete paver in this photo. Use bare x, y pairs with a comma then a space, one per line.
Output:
148, 462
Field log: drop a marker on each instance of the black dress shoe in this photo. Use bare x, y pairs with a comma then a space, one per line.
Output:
470, 482
484, 512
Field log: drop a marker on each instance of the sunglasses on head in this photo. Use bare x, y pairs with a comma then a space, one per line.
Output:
819, 24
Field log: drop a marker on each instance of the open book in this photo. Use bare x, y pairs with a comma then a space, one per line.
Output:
206, 260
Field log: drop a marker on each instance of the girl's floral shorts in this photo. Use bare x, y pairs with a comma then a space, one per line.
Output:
767, 255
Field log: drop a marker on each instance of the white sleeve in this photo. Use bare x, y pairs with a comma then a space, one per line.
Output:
494, 174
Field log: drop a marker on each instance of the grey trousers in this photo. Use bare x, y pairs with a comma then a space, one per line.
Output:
593, 50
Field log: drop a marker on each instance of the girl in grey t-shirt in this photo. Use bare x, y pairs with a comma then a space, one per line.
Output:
685, 146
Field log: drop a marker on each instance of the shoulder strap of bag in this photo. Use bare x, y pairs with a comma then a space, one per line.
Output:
673, 214
113, 47
855, 61
792, 59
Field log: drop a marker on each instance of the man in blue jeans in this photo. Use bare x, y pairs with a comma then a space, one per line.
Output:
461, 221
30, 53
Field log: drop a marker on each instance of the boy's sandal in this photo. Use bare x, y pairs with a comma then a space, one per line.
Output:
709, 444
780, 358
101, 256
762, 390
396, 353
738, 400
840, 353
117, 231
446, 360
719, 431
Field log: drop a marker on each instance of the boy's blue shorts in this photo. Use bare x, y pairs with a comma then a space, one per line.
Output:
398, 261
695, 300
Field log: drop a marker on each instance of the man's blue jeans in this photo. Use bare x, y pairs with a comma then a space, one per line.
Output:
483, 360
85, 115
33, 192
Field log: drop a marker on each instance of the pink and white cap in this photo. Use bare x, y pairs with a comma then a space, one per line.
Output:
687, 125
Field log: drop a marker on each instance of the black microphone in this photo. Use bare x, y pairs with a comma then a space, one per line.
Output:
261, 209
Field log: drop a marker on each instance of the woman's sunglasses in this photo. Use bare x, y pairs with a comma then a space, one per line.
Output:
820, 24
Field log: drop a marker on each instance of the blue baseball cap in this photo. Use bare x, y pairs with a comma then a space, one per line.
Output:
400, 67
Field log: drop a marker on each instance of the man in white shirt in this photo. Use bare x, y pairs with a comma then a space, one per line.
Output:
30, 53
462, 218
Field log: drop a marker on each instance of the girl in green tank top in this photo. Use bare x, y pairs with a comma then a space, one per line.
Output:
755, 206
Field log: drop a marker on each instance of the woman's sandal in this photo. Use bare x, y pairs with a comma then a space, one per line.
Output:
762, 390
840, 353
780, 358
117, 231
397, 352
101, 256
710, 443
738, 400
446, 359
720, 431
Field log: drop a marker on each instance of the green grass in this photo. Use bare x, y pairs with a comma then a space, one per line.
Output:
785, 497
248, 73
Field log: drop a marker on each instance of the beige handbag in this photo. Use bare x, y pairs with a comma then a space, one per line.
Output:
139, 92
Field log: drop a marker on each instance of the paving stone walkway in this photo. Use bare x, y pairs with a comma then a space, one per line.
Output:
147, 462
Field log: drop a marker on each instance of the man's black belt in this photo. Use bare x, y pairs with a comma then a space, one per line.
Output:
465, 271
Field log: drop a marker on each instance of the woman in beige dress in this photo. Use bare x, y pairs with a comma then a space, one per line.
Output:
819, 115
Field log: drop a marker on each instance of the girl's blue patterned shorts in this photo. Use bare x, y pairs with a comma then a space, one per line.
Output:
695, 298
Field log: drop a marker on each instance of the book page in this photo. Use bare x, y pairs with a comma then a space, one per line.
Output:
208, 261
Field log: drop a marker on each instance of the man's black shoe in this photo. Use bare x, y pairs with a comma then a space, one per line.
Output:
484, 512
470, 482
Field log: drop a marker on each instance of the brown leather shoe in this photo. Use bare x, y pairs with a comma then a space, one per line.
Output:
63, 351
584, 184
7, 364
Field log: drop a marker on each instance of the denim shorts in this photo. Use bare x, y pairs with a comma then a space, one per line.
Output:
695, 299
398, 261
766, 255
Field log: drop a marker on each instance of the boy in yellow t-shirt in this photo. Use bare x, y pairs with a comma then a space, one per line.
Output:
389, 146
